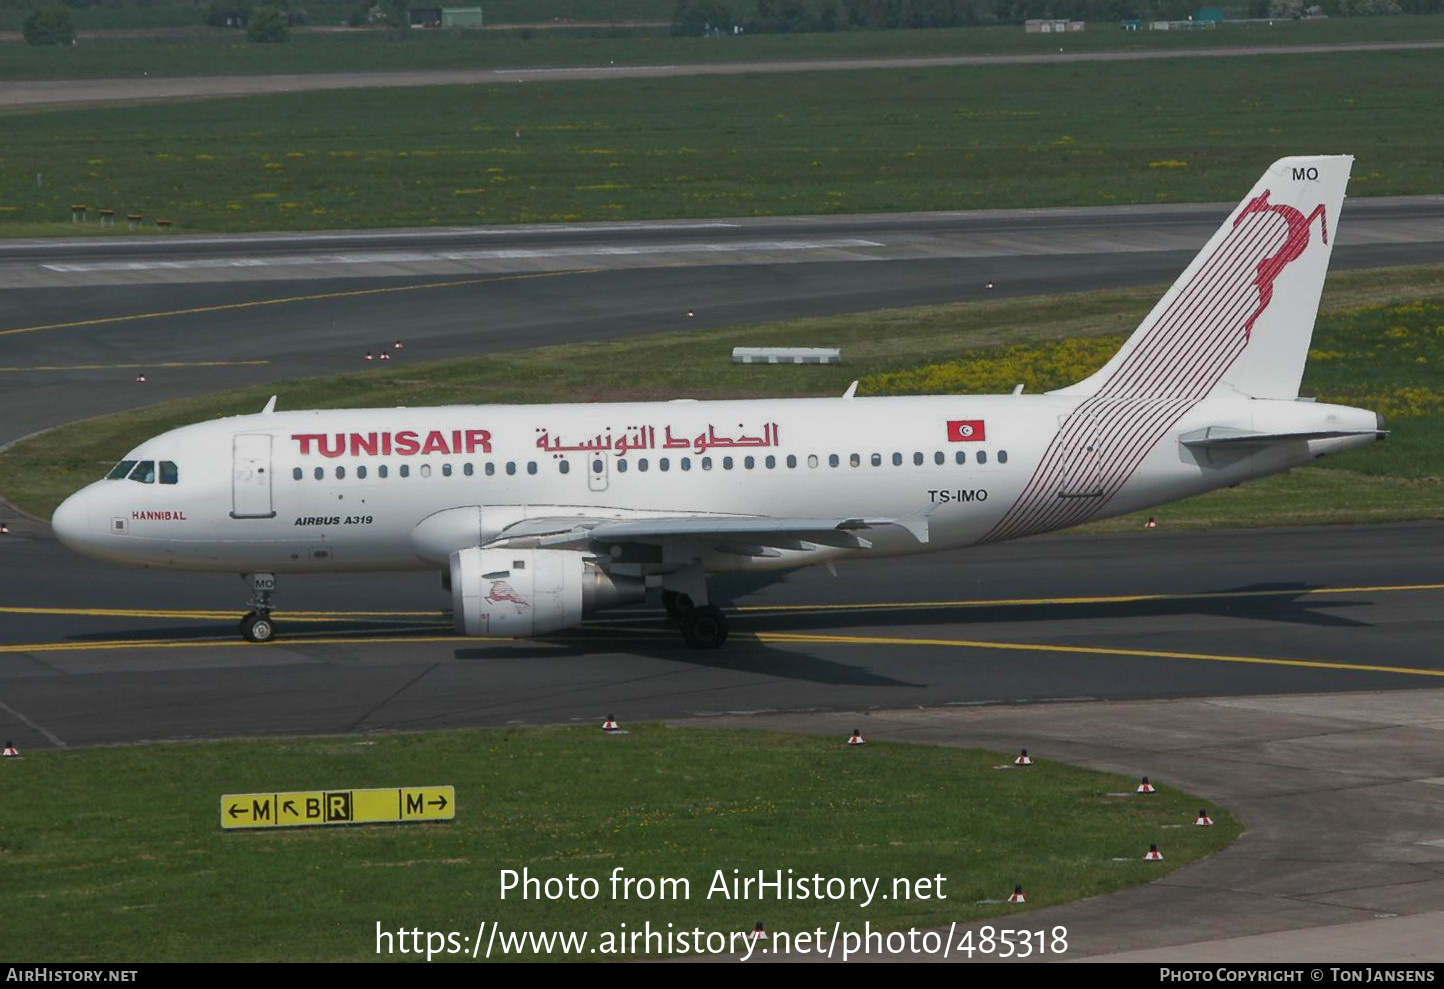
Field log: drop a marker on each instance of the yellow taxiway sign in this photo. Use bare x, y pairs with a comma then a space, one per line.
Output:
312, 808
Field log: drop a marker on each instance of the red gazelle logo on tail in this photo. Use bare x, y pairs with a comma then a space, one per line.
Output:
1294, 246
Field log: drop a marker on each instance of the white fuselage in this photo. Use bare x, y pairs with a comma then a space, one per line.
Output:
345, 490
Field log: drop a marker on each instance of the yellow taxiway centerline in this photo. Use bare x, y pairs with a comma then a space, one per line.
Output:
878, 640
321, 616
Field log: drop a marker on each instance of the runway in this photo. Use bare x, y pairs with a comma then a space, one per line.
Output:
198, 314
92, 654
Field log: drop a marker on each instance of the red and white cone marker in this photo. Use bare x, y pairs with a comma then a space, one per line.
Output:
856, 738
1017, 896
759, 933
1023, 759
611, 724
690, 314
140, 378
1145, 787
11, 752
1152, 523
383, 356
4, 529
1203, 820
398, 345
1154, 855
369, 357
988, 286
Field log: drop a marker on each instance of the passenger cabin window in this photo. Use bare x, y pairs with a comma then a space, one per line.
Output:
621, 466
320, 473
382, 471
960, 457
468, 470
405, 470
445, 470
563, 466
144, 472
361, 473
897, 459
296, 474
121, 470
982, 456
1002, 456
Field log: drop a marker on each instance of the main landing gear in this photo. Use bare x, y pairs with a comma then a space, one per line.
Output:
257, 625
703, 626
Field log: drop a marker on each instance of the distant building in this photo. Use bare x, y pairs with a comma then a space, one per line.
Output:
425, 16
461, 17
1209, 14
1131, 24
1052, 26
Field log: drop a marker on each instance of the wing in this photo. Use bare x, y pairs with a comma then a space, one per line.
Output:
746, 532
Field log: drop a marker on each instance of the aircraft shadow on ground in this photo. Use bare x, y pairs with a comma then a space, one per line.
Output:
1289, 603
741, 654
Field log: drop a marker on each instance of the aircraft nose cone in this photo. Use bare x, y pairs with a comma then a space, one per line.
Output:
71, 522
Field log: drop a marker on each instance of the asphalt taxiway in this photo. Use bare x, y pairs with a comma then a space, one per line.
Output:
93, 654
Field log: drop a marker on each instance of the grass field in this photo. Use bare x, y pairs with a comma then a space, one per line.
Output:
217, 52
1379, 343
1027, 136
116, 854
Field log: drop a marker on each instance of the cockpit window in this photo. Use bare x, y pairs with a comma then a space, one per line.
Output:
120, 470
144, 472
169, 473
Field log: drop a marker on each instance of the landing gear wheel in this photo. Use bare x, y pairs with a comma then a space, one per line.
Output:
677, 604
257, 627
704, 628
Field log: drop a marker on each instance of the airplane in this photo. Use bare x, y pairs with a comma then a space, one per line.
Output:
537, 516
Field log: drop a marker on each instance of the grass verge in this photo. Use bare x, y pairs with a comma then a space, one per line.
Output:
116, 854
1379, 343
812, 143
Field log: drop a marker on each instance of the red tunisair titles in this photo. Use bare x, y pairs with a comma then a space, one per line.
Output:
403, 443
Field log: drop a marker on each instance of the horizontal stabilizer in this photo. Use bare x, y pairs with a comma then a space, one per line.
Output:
1215, 437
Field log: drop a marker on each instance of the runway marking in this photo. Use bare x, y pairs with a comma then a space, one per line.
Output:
878, 640
39, 729
124, 367
322, 616
289, 299
484, 254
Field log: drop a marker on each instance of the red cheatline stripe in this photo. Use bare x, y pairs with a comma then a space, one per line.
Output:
1217, 279
1196, 332
1211, 311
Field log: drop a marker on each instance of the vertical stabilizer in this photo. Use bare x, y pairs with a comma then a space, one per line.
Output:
1241, 316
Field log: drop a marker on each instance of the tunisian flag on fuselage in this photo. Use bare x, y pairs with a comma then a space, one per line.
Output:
965, 430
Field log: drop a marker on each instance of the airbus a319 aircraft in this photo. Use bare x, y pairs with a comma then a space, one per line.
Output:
537, 516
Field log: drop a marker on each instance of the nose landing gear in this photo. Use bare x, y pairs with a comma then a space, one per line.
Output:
257, 626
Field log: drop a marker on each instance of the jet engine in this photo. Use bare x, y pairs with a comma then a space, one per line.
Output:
509, 593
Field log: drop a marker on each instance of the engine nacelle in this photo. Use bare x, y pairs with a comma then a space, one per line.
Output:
514, 593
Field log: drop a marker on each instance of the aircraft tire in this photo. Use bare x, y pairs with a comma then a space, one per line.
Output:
677, 604
257, 628
704, 628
